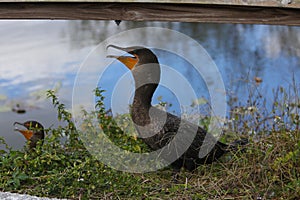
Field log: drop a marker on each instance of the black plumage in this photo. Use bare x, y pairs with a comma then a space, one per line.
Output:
181, 143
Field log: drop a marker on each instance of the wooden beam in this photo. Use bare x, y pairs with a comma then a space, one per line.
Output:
265, 3
151, 12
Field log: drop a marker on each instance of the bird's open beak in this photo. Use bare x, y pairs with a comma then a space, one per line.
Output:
128, 61
27, 133
16, 128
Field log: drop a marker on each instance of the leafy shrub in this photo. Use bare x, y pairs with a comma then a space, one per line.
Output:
62, 167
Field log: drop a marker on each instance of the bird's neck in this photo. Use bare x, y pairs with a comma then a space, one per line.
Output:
143, 95
142, 104
146, 80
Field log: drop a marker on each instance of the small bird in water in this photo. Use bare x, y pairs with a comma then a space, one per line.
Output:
34, 132
163, 131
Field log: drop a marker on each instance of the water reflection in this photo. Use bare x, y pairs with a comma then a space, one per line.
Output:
39, 55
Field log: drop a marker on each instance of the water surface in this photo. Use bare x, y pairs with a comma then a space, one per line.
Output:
41, 55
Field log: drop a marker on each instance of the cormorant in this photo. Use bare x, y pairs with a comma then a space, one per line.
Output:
34, 132
156, 127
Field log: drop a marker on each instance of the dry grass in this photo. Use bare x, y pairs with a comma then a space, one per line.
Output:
269, 167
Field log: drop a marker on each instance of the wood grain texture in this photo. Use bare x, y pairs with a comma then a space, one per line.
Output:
267, 3
151, 12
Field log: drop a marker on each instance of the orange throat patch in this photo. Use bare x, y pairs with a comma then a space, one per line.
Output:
27, 133
128, 61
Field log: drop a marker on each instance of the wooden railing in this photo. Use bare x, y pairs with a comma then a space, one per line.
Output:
280, 12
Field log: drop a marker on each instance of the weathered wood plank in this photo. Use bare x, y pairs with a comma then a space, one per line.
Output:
151, 12
264, 3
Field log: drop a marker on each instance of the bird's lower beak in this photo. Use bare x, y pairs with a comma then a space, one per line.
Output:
112, 56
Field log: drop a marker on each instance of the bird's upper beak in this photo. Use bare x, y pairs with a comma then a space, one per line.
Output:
128, 61
27, 133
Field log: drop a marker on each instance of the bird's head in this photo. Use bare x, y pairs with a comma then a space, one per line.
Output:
138, 56
32, 128
142, 62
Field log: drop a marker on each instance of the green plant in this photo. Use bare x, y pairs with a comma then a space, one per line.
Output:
63, 167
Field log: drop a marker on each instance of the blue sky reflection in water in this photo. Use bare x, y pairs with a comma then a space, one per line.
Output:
40, 55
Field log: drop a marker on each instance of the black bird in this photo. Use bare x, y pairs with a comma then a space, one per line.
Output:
160, 129
34, 132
